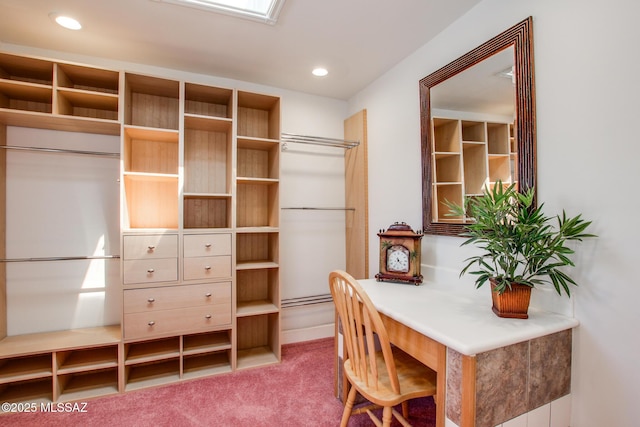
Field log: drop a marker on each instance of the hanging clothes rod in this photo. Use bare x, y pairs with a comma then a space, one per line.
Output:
317, 140
61, 150
320, 209
64, 258
310, 300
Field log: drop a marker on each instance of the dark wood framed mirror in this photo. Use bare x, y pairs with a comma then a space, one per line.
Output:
468, 144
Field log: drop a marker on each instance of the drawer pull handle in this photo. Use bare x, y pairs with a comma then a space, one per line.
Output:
151, 300
150, 271
207, 245
151, 248
207, 267
208, 295
151, 323
208, 316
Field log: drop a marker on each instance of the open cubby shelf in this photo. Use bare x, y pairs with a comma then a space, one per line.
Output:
71, 365
258, 340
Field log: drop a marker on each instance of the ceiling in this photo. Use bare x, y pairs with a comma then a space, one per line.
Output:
356, 40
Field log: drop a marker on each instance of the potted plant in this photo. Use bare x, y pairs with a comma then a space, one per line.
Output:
521, 247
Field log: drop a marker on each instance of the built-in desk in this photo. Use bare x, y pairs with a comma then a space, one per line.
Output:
492, 369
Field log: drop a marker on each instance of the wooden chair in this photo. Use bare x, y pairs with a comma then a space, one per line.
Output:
381, 375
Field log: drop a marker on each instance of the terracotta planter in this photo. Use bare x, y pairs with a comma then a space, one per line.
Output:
512, 303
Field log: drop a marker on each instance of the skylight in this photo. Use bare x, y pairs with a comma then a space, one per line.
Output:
259, 10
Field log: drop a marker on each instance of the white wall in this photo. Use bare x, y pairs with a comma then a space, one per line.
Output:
586, 69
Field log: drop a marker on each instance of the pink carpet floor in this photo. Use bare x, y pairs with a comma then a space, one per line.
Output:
296, 393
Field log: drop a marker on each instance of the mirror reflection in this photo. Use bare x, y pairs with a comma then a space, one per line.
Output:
472, 125
477, 121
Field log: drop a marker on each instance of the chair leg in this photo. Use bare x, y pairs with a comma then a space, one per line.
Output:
387, 415
348, 407
405, 409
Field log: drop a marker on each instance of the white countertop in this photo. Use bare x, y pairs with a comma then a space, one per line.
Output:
459, 322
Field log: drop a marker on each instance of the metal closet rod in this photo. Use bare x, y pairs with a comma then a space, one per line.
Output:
61, 258
318, 140
310, 300
61, 150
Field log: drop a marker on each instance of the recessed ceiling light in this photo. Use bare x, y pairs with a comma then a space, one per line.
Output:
320, 72
65, 21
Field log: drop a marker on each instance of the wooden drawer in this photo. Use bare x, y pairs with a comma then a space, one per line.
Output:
150, 246
171, 297
211, 267
199, 245
177, 321
150, 270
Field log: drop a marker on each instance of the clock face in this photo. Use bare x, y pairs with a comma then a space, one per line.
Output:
398, 259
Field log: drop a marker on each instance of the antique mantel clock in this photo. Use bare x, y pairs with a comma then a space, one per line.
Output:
399, 255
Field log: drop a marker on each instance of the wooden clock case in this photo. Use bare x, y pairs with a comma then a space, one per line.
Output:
400, 235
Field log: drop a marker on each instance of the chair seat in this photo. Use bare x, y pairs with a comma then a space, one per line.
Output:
417, 380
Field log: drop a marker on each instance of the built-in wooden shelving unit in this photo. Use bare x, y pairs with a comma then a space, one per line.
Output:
199, 228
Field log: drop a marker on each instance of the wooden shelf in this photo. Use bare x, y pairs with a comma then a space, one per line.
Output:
88, 385
247, 142
257, 248
82, 99
206, 364
44, 120
150, 150
150, 159
475, 167
257, 204
24, 345
207, 123
474, 131
207, 211
39, 391
83, 103
152, 374
256, 265
256, 357
253, 308
151, 102
152, 201
446, 135
26, 96
443, 192
152, 351
208, 101
87, 92
241, 230
26, 69
84, 360
25, 368
87, 78
206, 343
258, 116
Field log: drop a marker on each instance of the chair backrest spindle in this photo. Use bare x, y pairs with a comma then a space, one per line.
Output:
361, 325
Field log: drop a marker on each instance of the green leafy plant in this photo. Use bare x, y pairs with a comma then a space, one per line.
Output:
520, 243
